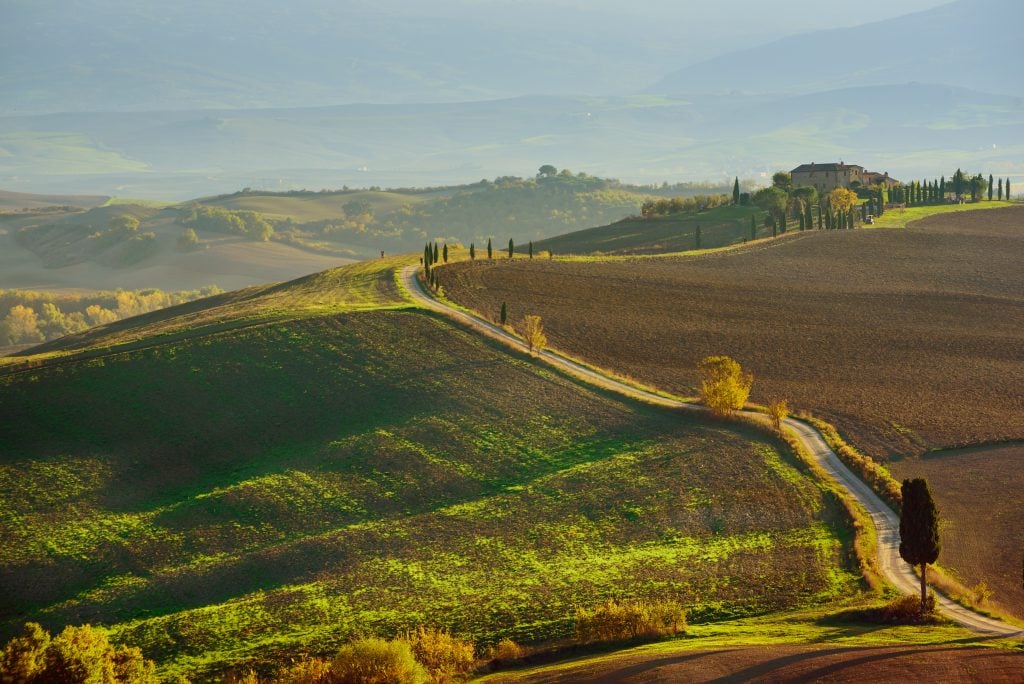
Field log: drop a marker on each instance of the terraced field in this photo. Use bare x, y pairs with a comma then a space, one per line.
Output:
250, 493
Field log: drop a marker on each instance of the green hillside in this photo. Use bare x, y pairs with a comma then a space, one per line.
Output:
719, 227
274, 484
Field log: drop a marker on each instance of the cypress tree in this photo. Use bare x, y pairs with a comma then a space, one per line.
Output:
991, 187
697, 236
472, 252
436, 255
775, 231
849, 219
490, 252
504, 313
511, 248
819, 217
445, 253
808, 217
1000, 189
736, 191
942, 189
919, 530
803, 226
782, 222
530, 249
1007, 188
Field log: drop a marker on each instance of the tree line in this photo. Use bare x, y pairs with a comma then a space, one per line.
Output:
42, 316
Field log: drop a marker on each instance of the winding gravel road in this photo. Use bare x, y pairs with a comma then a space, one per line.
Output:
894, 568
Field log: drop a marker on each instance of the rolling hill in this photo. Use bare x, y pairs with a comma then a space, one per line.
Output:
908, 340
308, 468
964, 43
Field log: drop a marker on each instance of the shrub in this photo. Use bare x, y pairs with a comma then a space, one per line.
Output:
906, 610
627, 620
443, 655
376, 661
78, 654
506, 649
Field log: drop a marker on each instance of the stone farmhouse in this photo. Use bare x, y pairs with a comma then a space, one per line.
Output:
827, 177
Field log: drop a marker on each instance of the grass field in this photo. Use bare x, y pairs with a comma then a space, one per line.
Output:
260, 492
897, 218
719, 227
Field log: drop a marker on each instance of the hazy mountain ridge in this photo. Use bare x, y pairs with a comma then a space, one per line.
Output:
967, 43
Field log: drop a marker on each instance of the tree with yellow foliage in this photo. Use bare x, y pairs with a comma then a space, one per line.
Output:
724, 386
842, 200
533, 333
778, 411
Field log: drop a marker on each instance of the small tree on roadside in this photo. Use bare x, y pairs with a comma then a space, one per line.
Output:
504, 313
533, 333
490, 251
991, 187
778, 411
724, 386
511, 248
444, 253
1007, 188
919, 530
529, 249
437, 254
472, 252
1000, 189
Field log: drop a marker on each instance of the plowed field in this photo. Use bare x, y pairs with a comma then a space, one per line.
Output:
906, 339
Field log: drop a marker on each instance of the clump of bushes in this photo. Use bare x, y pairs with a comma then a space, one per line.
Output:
629, 620
444, 656
78, 655
906, 610
505, 650
376, 661
422, 656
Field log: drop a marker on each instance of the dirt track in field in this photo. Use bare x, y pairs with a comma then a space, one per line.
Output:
789, 663
906, 339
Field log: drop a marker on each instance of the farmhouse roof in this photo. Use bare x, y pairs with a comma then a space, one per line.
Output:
834, 166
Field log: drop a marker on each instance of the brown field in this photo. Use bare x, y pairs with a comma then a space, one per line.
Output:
788, 663
906, 339
977, 491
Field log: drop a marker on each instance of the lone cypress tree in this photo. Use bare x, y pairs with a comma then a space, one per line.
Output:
919, 530
511, 248
1007, 188
697, 236
490, 252
444, 253
472, 252
736, 191
504, 313
530, 248
991, 187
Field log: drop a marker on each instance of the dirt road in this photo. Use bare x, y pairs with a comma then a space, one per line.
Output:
894, 568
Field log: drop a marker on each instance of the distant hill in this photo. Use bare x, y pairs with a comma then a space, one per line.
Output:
18, 201
663, 234
913, 129
969, 43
